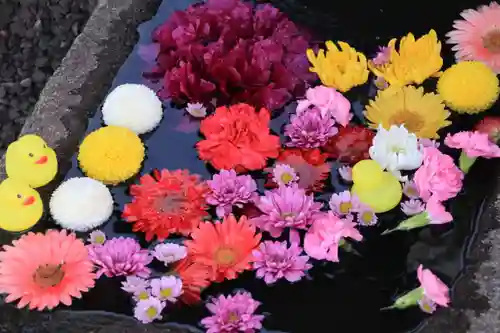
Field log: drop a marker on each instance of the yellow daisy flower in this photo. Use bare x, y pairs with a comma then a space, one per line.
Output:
422, 114
340, 69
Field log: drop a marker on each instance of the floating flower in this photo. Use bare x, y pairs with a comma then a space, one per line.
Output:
44, 270
197, 110
426, 305
135, 285
227, 189
111, 154
414, 62
233, 313
237, 138
329, 101
310, 129
194, 277
120, 256
428, 143
286, 207
225, 247
473, 145
344, 203
284, 175
382, 57
149, 310
97, 237
422, 114
491, 126
345, 173
327, 233
366, 216
274, 261
340, 69
477, 36
166, 288
81, 204
351, 144
412, 207
434, 289
133, 106
167, 202
169, 252
396, 149
410, 189
310, 165
469, 87
142, 295
438, 177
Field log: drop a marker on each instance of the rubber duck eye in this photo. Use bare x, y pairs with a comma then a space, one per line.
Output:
44, 146
30, 154
19, 196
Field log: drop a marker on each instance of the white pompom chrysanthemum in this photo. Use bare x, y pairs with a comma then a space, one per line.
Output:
134, 106
81, 204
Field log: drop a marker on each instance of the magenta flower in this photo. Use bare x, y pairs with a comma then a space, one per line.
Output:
274, 261
147, 311
474, 144
120, 256
383, 56
169, 252
228, 190
434, 288
329, 101
310, 129
286, 207
166, 288
412, 207
234, 313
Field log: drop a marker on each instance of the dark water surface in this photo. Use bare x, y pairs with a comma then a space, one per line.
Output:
343, 297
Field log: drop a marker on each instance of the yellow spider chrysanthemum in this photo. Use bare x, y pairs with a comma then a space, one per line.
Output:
416, 60
469, 87
340, 69
111, 154
422, 114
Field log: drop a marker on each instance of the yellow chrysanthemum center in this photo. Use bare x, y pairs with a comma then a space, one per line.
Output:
143, 295
225, 256
111, 154
491, 41
151, 312
165, 293
233, 317
421, 114
366, 217
345, 207
286, 178
99, 239
469, 87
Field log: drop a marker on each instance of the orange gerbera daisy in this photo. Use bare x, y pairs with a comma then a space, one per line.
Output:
167, 202
195, 278
225, 247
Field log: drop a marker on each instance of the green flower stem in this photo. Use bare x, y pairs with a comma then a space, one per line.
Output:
409, 299
465, 162
416, 221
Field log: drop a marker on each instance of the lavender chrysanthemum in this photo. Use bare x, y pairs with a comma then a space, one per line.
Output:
286, 207
169, 252
166, 288
310, 129
274, 261
120, 256
228, 190
234, 313
149, 310
134, 284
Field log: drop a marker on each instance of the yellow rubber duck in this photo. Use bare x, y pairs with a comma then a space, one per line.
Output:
31, 160
20, 205
376, 188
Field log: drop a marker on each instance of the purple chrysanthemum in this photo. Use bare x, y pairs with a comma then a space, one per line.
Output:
228, 190
120, 256
286, 206
310, 129
234, 313
274, 261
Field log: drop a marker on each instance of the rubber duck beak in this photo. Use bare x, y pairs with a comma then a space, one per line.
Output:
42, 160
29, 201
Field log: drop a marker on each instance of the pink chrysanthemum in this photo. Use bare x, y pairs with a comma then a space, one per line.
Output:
344, 203
284, 175
412, 207
234, 313
286, 207
274, 261
383, 56
477, 36
120, 256
310, 129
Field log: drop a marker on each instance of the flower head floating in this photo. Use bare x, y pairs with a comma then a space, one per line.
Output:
351, 144
477, 36
166, 288
111, 154
329, 101
344, 203
44, 270
469, 87
310, 129
234, 313
284, 175
422, 114
97, 237
149, 310
238, 138
491, 126
412, 207
137, 286
169, 252
167, 202
342, 68
194, 276
196, 110
414, 62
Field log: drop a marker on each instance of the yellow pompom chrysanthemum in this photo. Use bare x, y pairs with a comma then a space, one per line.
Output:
421, 114
111, 154
340, 69
469, 87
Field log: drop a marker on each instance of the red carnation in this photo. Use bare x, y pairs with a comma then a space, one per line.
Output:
351, 144
491, 126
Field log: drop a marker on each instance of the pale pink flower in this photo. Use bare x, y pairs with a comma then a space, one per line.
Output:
436, 213
438, 177
427, 305
323, 239
149, 310
345, 173
196, 110
434, 288
169, 252
410, 190
344, 203
473, 144
97, 237
428, 142
412, 207
134, 284
366, 216
166, 288
284, 175
383, 56
329, 101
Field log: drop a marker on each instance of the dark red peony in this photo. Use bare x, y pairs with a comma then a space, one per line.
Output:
351, 144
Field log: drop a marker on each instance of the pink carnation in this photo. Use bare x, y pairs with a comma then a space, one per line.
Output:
329, 101
438, 177
436, 213
474, 144
434, 288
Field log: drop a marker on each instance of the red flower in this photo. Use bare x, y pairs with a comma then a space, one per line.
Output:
195, 278
238, 138
310, 165
167, 202
491, 126
351, 144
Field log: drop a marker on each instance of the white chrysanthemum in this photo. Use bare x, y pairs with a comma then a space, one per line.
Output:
134, 106
81, 204
396, 149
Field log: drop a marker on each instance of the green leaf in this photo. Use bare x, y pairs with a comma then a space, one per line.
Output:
409, 299
416, 221
465, 162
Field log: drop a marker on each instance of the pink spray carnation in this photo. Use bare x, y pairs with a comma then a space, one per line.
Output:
436, 213
474, 144
329, 101
434, 288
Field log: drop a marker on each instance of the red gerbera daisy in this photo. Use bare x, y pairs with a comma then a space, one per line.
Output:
195, 278
167, 202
